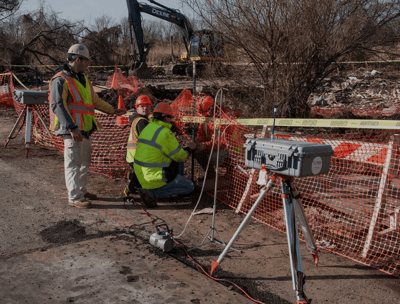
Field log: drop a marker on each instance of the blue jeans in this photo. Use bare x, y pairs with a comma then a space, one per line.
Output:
180, 185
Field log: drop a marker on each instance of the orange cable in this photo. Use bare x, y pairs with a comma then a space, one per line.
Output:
201, 267
217, 279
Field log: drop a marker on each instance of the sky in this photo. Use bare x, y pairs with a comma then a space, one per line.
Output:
89, 10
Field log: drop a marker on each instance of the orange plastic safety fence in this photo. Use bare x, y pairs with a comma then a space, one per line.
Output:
125, 86
108, 144
6, 89
353, 211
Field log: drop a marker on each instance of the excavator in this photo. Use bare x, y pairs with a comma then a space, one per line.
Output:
202, 46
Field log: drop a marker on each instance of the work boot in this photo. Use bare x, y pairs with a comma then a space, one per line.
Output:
85, 204
90, 196
129, 199
147, 200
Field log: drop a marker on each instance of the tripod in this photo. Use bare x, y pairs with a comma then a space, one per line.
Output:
27, 114
293, 210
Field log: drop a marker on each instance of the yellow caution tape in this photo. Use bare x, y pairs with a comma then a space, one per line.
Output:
320, 123
19, 81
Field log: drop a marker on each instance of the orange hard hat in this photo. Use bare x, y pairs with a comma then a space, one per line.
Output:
206, 104
143, 100
163, 108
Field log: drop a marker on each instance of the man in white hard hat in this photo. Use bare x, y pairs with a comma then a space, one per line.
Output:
73, 102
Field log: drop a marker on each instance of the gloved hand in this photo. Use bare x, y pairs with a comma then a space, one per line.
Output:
189, 145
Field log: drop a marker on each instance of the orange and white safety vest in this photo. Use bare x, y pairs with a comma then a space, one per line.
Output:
80, 108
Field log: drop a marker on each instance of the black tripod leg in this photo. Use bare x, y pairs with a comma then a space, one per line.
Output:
23, 112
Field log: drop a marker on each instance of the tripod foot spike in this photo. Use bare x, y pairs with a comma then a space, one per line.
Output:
5, 144
214, 264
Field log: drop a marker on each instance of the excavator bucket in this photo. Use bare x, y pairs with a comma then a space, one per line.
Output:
142, 71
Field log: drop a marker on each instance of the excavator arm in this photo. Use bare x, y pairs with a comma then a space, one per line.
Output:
202, 46
139, 48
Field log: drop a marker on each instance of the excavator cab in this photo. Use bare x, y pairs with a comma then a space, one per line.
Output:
205, 45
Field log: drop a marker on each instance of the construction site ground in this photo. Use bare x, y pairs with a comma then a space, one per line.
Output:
53, 253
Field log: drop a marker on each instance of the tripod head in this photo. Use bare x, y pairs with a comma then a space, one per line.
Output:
30, 97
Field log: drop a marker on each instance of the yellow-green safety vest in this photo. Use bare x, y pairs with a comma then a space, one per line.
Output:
157, 146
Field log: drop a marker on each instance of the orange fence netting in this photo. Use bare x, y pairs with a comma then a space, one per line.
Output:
6, 89
353, 211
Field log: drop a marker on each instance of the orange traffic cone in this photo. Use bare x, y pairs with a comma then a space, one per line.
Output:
121, 120
121, 104
114, 81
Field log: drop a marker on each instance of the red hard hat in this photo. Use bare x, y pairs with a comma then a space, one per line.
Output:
163, 108
206, 104
143, 100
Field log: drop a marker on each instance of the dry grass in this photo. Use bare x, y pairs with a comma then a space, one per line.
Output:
160, 54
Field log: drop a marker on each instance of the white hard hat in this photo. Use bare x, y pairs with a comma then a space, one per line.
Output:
79, 50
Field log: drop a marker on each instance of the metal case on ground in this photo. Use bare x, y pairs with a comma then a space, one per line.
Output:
30, 97
162, 240
288, 157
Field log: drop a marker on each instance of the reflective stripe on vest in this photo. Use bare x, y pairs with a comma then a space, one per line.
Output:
152, 143
151, 165
77, 108
151, 157
174, 152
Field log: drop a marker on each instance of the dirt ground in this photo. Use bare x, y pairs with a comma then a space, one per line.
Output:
52, 253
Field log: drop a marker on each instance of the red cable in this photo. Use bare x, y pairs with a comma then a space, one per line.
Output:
216, 279
202, 269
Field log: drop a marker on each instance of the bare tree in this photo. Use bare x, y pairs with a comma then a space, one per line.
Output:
102, 22
295, 44
39, 37
9, 7
102, 39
